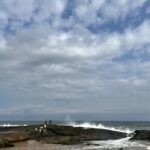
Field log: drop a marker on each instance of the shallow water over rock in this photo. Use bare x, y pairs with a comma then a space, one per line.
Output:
34, 145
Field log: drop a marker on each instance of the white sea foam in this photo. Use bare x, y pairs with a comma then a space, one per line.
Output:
11, 125
100, 126
124, 142
118, 144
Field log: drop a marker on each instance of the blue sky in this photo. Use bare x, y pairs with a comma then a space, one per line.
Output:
88, 59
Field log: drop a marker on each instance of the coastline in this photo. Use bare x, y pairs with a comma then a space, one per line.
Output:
62, 137
35, 145
55, 134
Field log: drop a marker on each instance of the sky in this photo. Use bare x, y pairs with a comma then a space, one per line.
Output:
75, 59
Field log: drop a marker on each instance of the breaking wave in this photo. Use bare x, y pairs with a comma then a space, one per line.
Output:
100, 126
120, 143
11, 125
124, 142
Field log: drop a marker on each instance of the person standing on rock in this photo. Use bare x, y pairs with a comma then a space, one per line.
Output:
45, 127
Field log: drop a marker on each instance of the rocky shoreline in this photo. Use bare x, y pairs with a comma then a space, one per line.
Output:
55, 134
141, 135
60, 134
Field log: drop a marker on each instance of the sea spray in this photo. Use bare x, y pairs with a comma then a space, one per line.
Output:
11, 125
113, 144
100, 126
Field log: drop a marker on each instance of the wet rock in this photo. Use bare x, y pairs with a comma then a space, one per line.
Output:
5, 143
15, 136
71, 135
141, 135
8, 138
59, 134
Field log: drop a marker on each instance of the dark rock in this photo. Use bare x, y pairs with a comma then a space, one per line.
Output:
91, 144
59, 134
8, 138
5, 143
71, 135
141, 135
64, 140
15, 136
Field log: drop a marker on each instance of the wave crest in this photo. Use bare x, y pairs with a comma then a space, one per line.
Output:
11, 125
100, 126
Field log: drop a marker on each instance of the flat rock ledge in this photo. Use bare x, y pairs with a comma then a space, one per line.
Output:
8, 138
55, 134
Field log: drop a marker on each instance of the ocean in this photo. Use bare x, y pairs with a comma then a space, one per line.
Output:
122, 126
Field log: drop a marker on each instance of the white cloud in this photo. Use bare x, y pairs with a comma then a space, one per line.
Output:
99, 12
76, 42
50, 10
3, 20
120, 9
86, 12
30, 11
71, 70
19, 9
3, 44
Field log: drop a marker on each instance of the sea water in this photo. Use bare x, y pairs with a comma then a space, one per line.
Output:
123, 126
128, 127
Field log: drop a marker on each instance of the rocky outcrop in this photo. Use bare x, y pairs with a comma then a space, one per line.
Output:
141, 135
14, 136
58, 134
71, 135
86, 134
8, 138
5, 143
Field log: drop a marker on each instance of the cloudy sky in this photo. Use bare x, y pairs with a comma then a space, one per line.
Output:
83, 59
